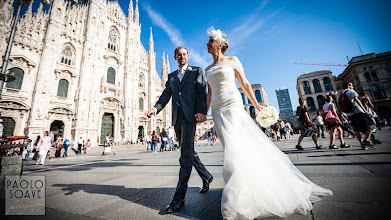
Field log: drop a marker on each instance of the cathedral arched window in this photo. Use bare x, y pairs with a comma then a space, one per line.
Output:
111, 75
321, 101
62, 90
17, 83
306, 87
258, 96
311, 104
68, 55
141, 81
327, 84
141, 103
113, 40
316, 84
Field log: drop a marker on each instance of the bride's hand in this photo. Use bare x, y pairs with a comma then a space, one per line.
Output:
258, 107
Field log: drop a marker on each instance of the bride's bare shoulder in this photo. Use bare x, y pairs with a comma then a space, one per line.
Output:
233, 59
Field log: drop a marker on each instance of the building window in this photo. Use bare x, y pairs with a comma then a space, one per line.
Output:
67, 55
321, 101
17, 83
62, 90
316, 84
306, 87
374, 76
376, 92
111, 75
258, 96
141, 103
367, 77
311, 104
141, 81
327, 84
113, 40
243, 98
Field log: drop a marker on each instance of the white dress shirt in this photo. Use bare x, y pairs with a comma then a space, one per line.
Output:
181, 71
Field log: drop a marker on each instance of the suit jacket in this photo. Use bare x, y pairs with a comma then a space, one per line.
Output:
190, 94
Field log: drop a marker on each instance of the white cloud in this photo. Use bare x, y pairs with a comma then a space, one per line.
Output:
175, 35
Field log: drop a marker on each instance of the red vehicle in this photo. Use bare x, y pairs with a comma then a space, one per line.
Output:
12, 145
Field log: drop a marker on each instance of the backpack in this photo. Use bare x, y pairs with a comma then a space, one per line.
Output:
154, 138
345, 104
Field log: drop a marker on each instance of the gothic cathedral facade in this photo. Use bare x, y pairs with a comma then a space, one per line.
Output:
81, 71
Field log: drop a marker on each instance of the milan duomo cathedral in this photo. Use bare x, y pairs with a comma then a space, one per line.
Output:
81, 71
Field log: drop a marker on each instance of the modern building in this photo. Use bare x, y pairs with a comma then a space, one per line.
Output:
284, 104
260, 95
371, 73
313, 86
81, 71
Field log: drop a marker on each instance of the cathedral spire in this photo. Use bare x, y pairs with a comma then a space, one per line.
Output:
151, 44
130, 9
29, 11
168, 65
164, 64
136, 13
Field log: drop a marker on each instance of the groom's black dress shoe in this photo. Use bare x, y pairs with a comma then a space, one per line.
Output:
205, 187
175, 206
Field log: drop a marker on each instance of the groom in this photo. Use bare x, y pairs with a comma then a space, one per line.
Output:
187, 87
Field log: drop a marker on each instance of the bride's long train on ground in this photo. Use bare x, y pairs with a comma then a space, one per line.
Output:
261, 181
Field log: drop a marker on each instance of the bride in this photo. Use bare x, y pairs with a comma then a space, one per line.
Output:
260, 180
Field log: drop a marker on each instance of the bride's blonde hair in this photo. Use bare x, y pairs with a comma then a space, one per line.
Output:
219, 37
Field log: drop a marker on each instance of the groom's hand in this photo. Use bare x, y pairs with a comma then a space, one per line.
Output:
149, 113
200, 117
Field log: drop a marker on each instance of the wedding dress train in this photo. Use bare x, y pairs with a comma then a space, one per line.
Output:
260, 180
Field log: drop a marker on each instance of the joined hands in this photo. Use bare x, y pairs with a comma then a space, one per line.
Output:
200, 117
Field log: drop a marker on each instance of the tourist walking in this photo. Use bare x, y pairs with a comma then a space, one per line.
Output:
65, 144
358, 115
170, 134
287, 129
147, 142
154, 140
209, 136
87, 146
320, 124
164, 139
364, 98
58, 147
307, 129
80, 144
28, 148
333, 123
44, 145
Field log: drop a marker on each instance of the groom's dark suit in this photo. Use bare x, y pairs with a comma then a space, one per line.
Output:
188, 99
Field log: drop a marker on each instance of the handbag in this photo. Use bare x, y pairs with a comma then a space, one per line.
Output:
331, 119
165, 139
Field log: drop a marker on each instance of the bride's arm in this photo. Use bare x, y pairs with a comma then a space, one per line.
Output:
246, 87
209, 98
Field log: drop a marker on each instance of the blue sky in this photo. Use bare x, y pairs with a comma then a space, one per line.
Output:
269, 36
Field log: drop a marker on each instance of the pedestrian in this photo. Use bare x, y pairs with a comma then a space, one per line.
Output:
28, 149
213, 139
358, 115
364, 98
65, 144
170, 134
164, 138
107, 143
281, 124
333, 123
209, 136
346, 125
80, 144
87, 146
44, 146
287, 129
307, 129
276, 129
51, 135
320, 124
58, 147
154, 140
147, 141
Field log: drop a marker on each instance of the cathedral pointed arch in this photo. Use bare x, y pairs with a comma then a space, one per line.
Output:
113, 40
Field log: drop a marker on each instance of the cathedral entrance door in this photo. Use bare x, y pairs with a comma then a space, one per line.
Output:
58, 129
9, 126
107, 127
140, 132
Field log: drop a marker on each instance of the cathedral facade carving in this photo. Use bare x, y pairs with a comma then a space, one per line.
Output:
81, 71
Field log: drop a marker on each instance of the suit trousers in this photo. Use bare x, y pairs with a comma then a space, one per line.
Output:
185, 132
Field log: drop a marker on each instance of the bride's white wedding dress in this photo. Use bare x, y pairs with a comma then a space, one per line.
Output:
260, 180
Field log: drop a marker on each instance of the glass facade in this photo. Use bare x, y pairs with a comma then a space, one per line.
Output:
284, 104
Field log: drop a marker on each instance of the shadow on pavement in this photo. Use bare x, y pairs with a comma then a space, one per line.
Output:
197, 206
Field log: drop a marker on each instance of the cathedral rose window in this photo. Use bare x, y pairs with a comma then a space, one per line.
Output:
113, 40
67, 55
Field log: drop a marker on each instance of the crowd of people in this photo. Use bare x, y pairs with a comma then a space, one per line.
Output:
353, 117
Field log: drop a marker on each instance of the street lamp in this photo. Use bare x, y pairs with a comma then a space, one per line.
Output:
4, 75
